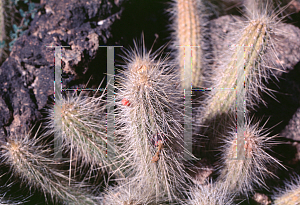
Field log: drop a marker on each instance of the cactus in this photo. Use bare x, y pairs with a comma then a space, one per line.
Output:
128, 193
209, 194
188, 26
149, 167
83, 131
291, 194
150, 136
241, 173
247, 63
26, 158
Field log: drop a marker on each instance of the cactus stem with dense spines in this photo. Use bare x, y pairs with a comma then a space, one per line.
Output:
291, 194
250, 59
209, 194
188, 28
129, 194
83, 130
27, 160
148, 84
240, 174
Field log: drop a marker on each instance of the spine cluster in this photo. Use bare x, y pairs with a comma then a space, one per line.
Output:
246, 166
243, 71
291, 194
79, 121
209, 194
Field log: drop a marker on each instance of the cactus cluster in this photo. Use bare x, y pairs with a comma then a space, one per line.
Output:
149, 164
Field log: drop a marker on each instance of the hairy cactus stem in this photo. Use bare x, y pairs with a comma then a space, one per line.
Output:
27, 160
254, 40
149, 86
83, 131
291, 194
187, 28
241, 173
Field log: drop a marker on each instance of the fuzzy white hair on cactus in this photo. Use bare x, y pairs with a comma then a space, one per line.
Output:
241, 175
148, 80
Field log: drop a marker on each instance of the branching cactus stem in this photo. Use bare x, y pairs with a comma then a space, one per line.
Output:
209, 194
82, 130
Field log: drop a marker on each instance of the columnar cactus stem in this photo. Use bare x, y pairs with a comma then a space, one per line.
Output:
83, 129
128, 193
222, 100
187, 28
255, 39
150, 140
291, 194
239, 175
26, 158
291, 198
148, 126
